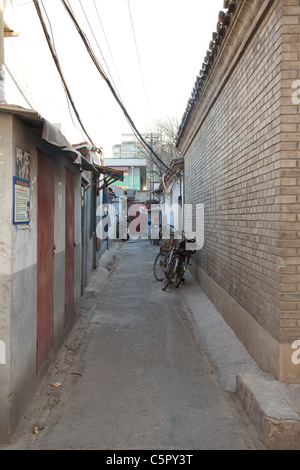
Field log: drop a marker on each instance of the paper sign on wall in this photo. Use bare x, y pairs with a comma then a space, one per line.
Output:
21, 201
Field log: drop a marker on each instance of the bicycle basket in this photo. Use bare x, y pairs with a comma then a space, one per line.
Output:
166, 245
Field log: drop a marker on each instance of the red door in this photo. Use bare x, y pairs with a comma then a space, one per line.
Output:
45, 258
69, 248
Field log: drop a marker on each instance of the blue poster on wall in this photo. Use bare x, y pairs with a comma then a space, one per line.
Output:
21, 201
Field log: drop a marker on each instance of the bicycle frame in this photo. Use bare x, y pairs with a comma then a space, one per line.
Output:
181, 257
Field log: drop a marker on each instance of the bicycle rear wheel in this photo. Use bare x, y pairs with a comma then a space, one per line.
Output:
181, 270
169, 274
159, 266
179, 273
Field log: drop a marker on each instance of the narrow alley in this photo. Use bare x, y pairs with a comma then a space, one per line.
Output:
133, 374
101, 157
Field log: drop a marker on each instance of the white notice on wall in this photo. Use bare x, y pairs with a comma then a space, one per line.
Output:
2, 353
21, 213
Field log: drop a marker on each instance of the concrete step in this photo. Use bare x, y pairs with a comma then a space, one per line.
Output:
273, 408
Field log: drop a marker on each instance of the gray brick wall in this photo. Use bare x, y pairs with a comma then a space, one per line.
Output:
243, 165
290, 174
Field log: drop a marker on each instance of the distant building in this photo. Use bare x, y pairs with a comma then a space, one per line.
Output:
131, 147
117, 150
134, 170
92, 246
171, 195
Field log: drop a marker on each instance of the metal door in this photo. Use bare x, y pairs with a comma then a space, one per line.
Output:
45, 258
69, 248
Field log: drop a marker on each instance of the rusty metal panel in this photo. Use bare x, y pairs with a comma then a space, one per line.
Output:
45, 258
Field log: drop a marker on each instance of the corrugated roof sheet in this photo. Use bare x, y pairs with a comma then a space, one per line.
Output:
49, 133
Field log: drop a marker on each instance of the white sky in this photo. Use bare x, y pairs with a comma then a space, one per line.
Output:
172, 38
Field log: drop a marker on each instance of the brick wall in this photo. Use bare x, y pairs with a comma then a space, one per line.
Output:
290, 174
242, 164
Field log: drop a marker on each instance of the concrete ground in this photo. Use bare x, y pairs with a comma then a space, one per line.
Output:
144, 369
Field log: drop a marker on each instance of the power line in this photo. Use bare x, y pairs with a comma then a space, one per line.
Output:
25, 3
50, 26
102, 73
108, 46
138, 56
56, 60
18, 85
54, 48
91, 29
89, 48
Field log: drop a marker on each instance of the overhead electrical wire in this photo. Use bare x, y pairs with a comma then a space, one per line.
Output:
53, 44
138, 56
102, 72
91, 29
50, 26
104, 76
57, 63
108, 46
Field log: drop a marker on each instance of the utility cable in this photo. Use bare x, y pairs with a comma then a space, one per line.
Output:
138, 55
91, 29
54, 48
108, 46
56, 61
50, 26
102, 73
18, 85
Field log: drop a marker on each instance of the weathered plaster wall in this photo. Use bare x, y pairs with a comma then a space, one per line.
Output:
6, 171
18, 271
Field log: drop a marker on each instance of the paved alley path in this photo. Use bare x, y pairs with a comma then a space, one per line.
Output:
139, 379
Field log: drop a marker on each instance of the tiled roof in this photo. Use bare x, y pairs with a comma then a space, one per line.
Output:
224, 20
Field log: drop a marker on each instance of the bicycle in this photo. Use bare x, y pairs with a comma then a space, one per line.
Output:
184, 260
171, 265
178, 261
161, 260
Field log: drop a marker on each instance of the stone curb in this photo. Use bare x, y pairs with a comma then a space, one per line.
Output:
99, 277
270, 410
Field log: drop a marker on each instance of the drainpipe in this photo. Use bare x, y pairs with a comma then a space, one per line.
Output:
2, 70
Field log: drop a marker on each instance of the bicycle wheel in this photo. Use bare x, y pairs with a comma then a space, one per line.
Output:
179, 273
181, 270
159, 266
168, 274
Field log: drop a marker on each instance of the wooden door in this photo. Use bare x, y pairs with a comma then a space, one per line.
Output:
45, 258
69, 248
